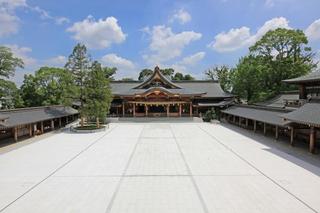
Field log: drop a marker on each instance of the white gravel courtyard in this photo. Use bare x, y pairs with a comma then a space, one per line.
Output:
156, 168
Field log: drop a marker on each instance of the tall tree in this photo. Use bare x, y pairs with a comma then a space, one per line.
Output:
9, 93
97, 93
8, 63
167, 72
284, 54
178, 76
246, 79
144, 74
49, 86
109, 72
222, 74
78, 64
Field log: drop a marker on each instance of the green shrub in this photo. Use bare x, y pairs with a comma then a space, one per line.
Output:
209, 115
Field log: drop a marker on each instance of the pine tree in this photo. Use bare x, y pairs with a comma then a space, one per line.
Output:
79, 64
97, 93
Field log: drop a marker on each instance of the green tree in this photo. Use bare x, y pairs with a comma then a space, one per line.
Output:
180, 77
97, 93
127, 79
78, 64
8, 63
283, 54
222, 74
144, 74
49, 86
10, 95
109, 72
167, 72
246, 79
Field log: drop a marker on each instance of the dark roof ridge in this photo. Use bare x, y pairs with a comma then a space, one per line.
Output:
30, 108
269, 108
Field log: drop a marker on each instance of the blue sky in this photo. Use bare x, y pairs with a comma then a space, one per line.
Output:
190, 36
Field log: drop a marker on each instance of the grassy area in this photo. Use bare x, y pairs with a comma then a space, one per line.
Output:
88, 127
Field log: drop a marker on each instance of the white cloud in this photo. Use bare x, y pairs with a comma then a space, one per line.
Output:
166, 45
232, 40
9, 24
9, 21
59, 61
193, 59
112, 60
238, 38
313, 31
23, 53
98, 34
181, 16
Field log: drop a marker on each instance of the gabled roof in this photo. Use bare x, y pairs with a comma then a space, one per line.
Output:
308, 114
280, 100
309, 78
157, 75
23, 116
263, 114
209, 88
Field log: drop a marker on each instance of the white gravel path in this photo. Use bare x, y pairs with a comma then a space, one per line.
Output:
156, 167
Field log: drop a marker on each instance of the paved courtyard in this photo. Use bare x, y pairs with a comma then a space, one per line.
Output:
156, 167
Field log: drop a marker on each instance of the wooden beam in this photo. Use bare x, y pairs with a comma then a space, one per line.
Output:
191, 109
254, 125
292, 136
60, 123
312, 140
264, 128
277, 132
168, 110
180, 110
123, 110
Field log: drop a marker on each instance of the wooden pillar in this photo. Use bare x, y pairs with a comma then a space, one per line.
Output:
168, 110
191, 109
264, 128
240, 121
15, 134
52, 124
67, 119
254, 125
234, 119
146, 109
312, 142
60, 122
302, 92
42, 126
134, 110
30, 130
247, 122
291, 136
180, 109
277, 132
123, 110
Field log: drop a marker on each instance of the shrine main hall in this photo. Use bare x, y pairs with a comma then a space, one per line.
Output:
159, 96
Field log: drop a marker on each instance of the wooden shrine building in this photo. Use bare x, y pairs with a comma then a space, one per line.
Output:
159, 96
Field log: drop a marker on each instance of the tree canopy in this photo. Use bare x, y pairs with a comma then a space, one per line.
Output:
222, 74
8, 63
48, 86
280, 54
